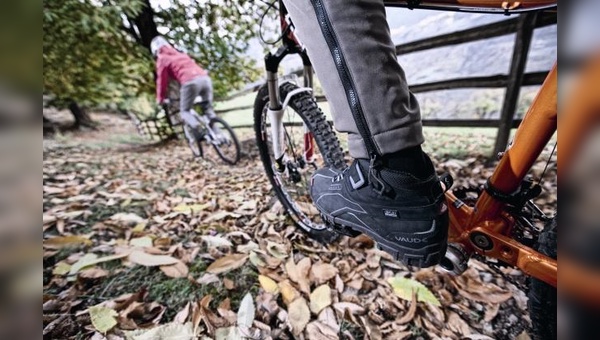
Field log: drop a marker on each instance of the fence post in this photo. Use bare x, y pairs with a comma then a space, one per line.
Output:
525, 28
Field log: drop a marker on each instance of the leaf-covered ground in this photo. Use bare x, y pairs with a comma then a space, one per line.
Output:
147, 243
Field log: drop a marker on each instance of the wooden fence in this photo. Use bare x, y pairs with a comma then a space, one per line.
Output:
523, 25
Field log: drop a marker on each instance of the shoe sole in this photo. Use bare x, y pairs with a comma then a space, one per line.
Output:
426, 256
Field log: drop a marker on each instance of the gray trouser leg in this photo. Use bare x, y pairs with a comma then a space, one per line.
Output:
349, 44
200, 86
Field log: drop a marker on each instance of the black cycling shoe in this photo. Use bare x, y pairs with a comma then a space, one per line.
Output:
405, 215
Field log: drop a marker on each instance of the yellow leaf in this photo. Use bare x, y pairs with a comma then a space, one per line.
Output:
227, 263
145, 241
298, 315
256, 260
61, 268
148, 260
187, 209
404, 289
268, 284
103, 318
139, 227
288, 292
66, 241
320, 298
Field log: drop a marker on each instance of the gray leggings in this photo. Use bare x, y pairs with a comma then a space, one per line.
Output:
349, 44
199, 86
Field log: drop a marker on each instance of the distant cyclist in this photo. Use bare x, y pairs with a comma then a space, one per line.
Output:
194, 81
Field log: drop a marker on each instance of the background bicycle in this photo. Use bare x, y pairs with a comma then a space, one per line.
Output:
212, 131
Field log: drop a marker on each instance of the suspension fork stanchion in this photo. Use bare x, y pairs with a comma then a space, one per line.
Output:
309, 141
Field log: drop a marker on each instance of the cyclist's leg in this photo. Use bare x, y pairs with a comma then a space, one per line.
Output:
206, 91
395, 197
188, 93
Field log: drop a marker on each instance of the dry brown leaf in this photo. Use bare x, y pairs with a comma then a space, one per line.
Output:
177, 270
320, 298
373, 331
327, 317
457, 325
361, 241
491, 311
148, 260
227, 263
298, 315
93, 273
353, 308
229, 284
410, 314
320, 331
183, 314
323, 272
299, 273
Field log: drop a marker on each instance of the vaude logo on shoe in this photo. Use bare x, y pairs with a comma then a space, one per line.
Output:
410, 239
335, 187
390, 213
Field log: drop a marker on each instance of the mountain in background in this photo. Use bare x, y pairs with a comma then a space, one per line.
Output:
480, 58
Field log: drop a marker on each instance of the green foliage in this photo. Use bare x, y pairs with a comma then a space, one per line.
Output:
216, 34
93, 51
87, 57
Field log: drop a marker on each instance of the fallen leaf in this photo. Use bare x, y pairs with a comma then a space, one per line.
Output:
349, 306
229, 284
177, 270
183, 314
208, 279
227, 263
410, 314
127, 218
144, 241
404, 289
245, 315
93, 273
103, 318
221, 215
299, 273
320, 331
139, 227
320, 298
187, 209
216, 241
66, 241
298, 315
228, 333
61, 268
170, 331
268, 284
323, 272
92, 259
288, 292
256, 260
149, 260
457, 325
277, 250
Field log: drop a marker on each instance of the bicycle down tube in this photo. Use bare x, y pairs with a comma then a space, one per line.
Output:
485, 227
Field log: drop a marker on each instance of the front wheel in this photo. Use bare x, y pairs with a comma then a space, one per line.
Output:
304, 125
542, 296
224, 141
194, 138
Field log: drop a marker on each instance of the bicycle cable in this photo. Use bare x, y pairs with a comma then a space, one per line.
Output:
547, 164
260, 25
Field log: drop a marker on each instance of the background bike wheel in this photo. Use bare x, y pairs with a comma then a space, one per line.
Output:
293, 192
194, 138
542, 297
228, 148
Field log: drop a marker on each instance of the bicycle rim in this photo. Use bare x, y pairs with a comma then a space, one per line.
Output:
224, 141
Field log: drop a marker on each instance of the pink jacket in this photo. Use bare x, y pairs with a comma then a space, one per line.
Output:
174, 64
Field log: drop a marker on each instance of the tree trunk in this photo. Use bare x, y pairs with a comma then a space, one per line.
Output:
82, 118
144, 22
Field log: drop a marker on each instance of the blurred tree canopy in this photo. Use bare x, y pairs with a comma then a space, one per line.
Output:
97, 51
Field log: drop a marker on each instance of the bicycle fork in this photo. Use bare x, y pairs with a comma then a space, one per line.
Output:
277, 108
